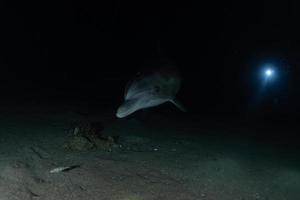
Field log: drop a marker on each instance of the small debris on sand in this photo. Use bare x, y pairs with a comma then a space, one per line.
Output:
63, 169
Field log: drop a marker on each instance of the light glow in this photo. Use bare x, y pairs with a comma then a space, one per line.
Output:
269, 72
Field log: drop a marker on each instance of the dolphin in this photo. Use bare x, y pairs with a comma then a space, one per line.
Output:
151, 89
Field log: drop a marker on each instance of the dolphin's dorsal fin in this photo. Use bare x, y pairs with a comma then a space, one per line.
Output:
178, 104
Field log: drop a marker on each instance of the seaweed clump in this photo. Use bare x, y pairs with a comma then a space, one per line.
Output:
88, 136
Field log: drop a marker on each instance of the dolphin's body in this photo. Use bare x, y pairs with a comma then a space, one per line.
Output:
151, 89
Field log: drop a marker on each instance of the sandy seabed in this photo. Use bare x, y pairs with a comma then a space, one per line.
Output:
175, 159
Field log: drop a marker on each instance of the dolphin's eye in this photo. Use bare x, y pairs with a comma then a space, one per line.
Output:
156, 89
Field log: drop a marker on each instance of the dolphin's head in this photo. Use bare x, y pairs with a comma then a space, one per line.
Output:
150, 89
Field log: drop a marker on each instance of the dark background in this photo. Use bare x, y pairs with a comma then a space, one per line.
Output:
92, 48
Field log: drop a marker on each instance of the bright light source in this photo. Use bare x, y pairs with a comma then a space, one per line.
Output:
269, 72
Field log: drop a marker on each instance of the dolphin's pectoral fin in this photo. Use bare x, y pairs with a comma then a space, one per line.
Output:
178, 104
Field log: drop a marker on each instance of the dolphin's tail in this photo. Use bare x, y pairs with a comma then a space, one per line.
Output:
178, 104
